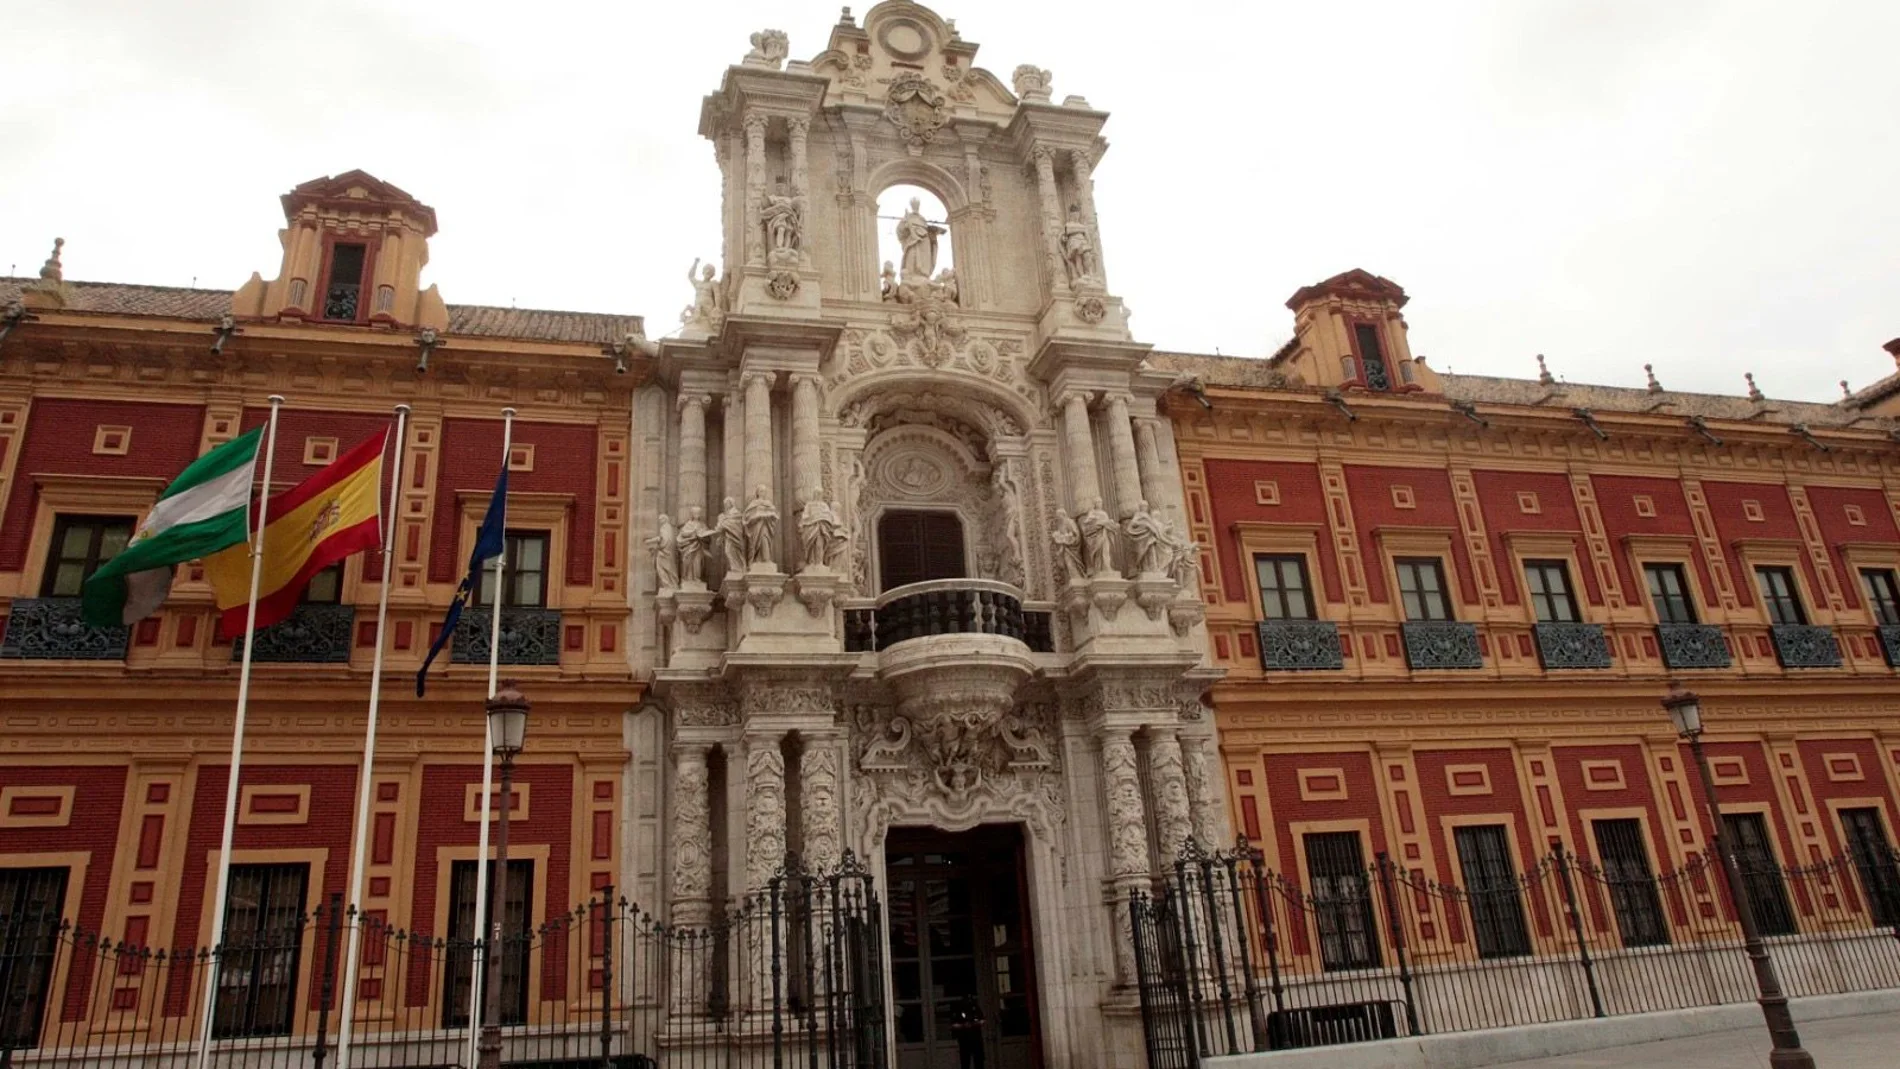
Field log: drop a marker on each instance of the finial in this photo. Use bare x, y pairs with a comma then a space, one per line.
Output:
844, 17
1845, 392
1543, 372
1654, 386
1754, 392
50, 270
1893, 347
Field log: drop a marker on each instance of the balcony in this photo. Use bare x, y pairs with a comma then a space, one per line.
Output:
1572, 645
1890, 643
312, 634
1805, 646
1299, 645
1441, 644
1692, 646
528, 636
50, 629
947, 607
953, 648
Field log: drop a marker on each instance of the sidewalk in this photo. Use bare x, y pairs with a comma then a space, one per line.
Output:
1868, 1042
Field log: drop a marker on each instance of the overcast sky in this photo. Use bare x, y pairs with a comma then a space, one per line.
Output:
1712, 187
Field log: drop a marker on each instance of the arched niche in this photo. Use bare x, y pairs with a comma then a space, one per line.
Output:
947, 188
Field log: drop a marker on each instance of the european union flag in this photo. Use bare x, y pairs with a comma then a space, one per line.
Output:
489, 542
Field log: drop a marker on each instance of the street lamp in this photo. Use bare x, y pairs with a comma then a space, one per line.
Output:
1685, 712
508, 727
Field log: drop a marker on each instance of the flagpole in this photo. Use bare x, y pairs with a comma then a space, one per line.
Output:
360, 839
237, 746
480, 960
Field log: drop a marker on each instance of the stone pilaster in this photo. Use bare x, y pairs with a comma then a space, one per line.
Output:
758, 434
1080, 164
801, 180
1078, 447
1127, 839
818, 802
692, 409
692, 835
754, 188
1051, 206
733, 465
1173, 809
764, 807
1203, 802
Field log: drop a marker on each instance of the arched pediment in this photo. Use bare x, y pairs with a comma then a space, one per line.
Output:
915, 171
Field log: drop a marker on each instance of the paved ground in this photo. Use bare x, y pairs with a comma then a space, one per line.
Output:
1871, 1042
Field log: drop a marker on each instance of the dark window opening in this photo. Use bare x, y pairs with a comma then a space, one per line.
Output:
524, 572
1883, 595
342, 297
30, 904
1669, 593
516, 937
80, 545
326, 587
1422, 587
1372, 356
1493, 891
918, 546
1779, 597
1285, 593
1341, 901
1761, 874
1549, 584
1632, 885
1874, 859
263, 939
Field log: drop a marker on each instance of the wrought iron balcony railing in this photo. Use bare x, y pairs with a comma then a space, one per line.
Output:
947, 607
1806, 646
340, 302
528, 636
1692, 646
1890, 643
312, 634
1299, 645
1572, 645
51, 629
1441, 644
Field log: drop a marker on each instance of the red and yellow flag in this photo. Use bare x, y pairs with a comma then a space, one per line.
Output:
325, 518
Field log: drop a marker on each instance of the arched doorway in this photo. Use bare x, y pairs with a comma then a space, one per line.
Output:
917, 545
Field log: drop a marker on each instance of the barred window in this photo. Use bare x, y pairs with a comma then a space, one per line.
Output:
263, 940
1876, 862
1761, 873
1632, 885
1493, 889
516, 910
31, 901
1341, 901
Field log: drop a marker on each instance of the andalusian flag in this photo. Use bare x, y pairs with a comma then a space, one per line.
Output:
327, 517
204, 510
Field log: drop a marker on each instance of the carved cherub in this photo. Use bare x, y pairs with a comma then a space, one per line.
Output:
887, 282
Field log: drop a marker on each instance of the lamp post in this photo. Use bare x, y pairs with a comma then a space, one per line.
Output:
508, 723
1685, 712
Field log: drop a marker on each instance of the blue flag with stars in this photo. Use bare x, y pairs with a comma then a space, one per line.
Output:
489, 542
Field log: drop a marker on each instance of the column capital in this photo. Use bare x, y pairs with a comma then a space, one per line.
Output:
806, 378
751, 378
1043, 155
700, 399
754, 123
1081, 160
1074, 394
799, 125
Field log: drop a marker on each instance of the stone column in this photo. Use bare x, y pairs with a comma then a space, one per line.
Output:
1078, 446
807, 479
1080, 164
764, 808
733, 468
1203, 806
758, 434
754, 187
1127, 840
1170, 480
1173, 811
692, 409
1051, 205
800, 178
818, 798
692, 868
1153, 477
1121, 452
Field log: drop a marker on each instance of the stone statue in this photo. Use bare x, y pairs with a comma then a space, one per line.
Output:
1098, 538
1150, 546
761, 530
731, 531
694, 540
707, 308
822, 534
1186, 565
945, 285
769, 49
1078, 248
919, 239
887, 283
1006, 538
784, 217
666, 554
1068, 542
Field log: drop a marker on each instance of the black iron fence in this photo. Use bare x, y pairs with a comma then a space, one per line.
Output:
1232, 956
790, 975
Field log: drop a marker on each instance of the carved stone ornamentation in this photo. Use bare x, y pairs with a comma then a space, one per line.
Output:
1173, 819
1200, 790
692, 825
1098, 538
765, 809
783, 285
916, 107
818, 803
761, 531
664, 545
708, 310
769, 49
707, 713
1067, 538
1090, 309
1032, 83
1127, 828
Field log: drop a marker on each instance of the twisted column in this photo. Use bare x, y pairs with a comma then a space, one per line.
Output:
1078, 444
692, 409
1121, 451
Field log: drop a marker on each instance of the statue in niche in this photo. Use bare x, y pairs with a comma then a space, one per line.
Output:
730, 527
784, 217
918, 236
821, 533
693, 541
887, 283
1078, 248
708, 308
761, 530
1068, 542
1150, 544
1098, 538
666, 554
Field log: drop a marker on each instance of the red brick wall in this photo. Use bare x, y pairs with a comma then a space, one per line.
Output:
471, 455
1814, 754
348, 428
1230, 491
1759, 788
1557, 512
1283, 794
1637, 792
1616, 499
1371, 491
1830, 513
98, 802
1731, 524
1505, 798
59, 440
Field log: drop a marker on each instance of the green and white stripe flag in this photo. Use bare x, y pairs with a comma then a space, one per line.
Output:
204, 510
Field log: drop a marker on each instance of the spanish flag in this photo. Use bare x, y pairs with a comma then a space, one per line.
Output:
325, 518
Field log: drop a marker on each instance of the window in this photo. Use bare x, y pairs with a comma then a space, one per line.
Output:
1632, 886
1422, 586
1549, 585
524, 572
1761, 874
263, 934
1876, 862
1341, 901
916, 546
342, 296
1669, 593
326, 587
1283, 587
1491, 886
30, 904
516, 936
1372, 355
1883, 597
1778, 596
80, 545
